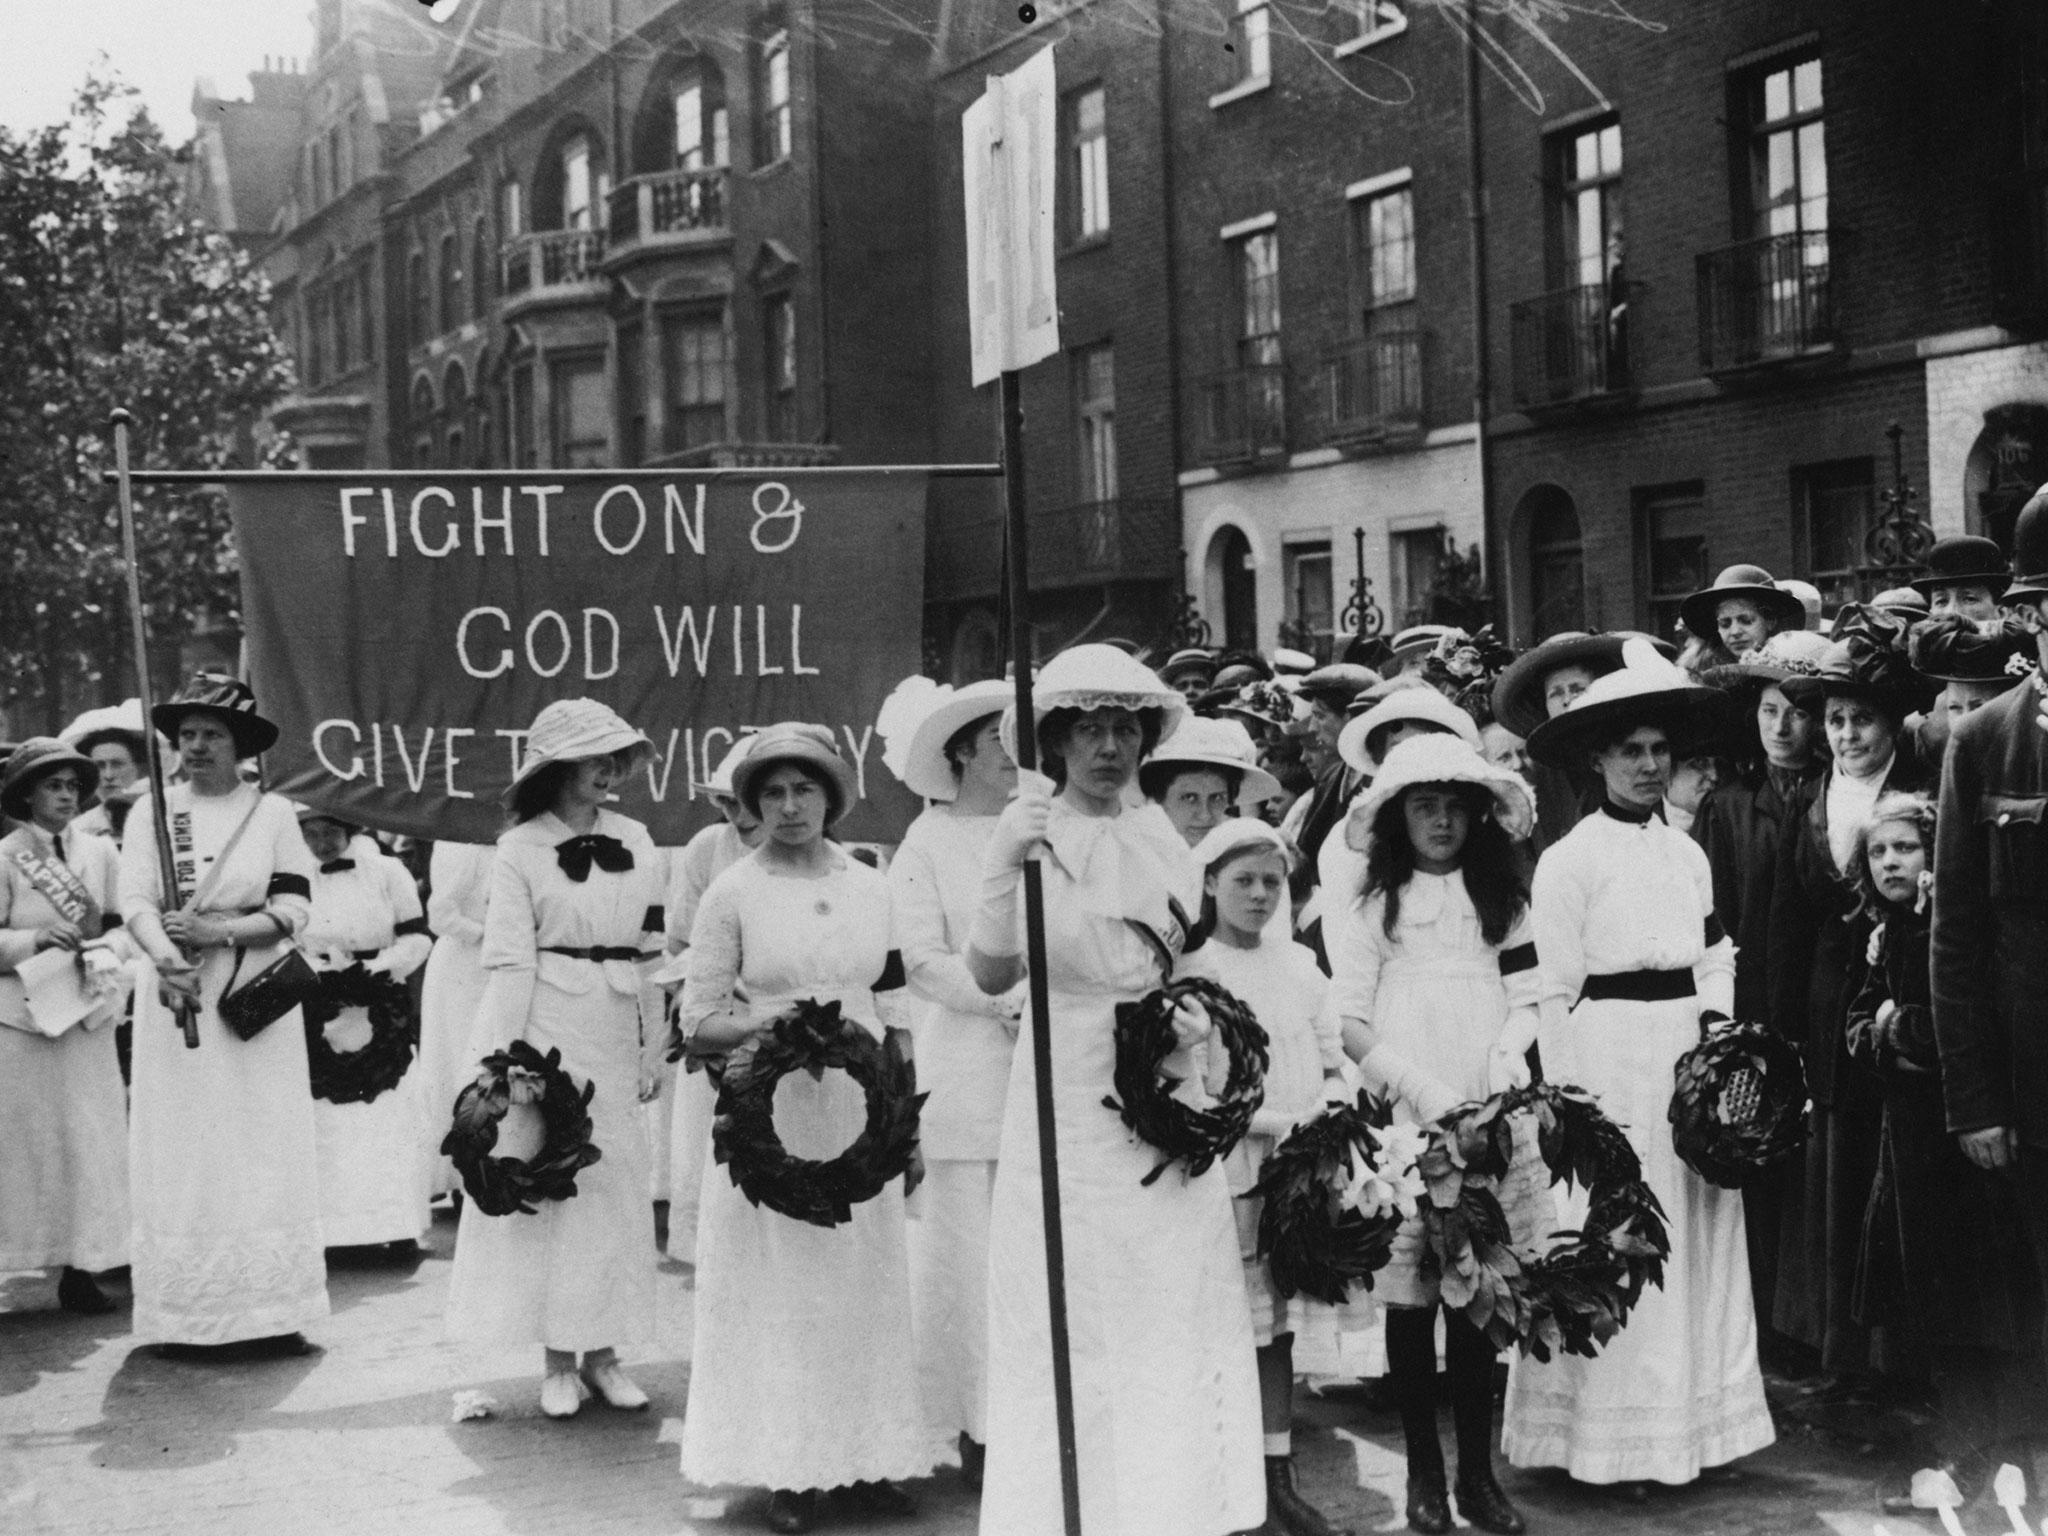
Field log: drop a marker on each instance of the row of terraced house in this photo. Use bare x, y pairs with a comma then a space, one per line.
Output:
1543, 311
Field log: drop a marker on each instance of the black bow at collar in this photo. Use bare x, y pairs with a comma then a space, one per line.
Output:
579, 853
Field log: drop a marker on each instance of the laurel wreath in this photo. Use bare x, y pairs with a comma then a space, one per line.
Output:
359, 1076
499, 1186
1738, 1104
1315, 1244
1195, 1136
812, 1037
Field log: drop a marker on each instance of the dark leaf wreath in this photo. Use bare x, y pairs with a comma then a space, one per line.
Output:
359, 1076
1183, 1133
1738, 1104
1577, 1293
499, 1186
812, 1037
1314, 1244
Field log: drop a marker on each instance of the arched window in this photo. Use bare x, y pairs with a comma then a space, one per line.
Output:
422, 425
569, 184
451, 281
1556, 561
419, 302
1233, 587
454, 417
479, 269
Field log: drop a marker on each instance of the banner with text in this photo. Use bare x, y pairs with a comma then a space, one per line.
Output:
403, 631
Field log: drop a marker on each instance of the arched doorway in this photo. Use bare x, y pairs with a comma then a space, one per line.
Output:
1554, 553
2006, 465
1233, 587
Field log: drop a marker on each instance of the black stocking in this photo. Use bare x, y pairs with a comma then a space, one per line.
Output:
1469, 1358
1411, 1360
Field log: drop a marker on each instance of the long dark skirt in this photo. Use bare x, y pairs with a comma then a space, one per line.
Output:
1820, 1229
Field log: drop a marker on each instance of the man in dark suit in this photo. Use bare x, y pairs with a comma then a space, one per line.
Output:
1990, 955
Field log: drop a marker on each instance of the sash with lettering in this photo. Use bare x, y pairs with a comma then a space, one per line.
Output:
57, 885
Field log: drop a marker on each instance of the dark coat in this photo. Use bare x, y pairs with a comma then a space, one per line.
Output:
1990, 968
1327, 804
1944, 1255
1741, 827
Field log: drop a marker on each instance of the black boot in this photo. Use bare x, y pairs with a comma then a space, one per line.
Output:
1287, 1509
1470, 1358
78, 1292
973, 1458
1411, 1365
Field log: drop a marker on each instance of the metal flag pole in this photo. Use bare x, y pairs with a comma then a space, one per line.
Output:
1034, 953
160, 824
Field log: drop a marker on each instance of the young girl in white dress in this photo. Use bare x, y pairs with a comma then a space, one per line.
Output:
1435, 979
1245, 865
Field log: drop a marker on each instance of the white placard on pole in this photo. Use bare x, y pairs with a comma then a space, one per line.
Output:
1009, 140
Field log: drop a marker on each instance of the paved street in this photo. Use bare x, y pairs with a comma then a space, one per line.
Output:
98, 1436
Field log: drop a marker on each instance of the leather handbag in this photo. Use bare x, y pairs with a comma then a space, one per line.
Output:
286, 983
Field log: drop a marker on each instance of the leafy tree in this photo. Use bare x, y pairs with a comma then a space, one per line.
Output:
111, 294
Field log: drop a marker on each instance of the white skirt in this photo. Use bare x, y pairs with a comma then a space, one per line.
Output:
948, 1238
450, 990
64, 1174
373, 1171
689, 1149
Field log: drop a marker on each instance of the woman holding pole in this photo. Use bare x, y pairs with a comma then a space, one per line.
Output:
222, 1167
1166, 1398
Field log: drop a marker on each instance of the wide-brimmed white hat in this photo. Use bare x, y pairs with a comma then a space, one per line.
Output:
1236, 832
1088, 677
1207, 743
720, 782
1422, 704
915, 723
1645, 690
1440, 759
571, 730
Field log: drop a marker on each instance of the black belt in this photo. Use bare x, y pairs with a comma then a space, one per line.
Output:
365, 954
1638, 986
598, 952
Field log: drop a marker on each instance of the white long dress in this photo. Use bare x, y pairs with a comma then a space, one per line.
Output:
802, 1374
577, 1274
1678, 1389
963, 1062
1438, 997
64, 1176
703, 859
459, 883
373, 1167
223, 1176
1166, 1397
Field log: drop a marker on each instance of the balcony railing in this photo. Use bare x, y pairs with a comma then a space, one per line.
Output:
735, 455
530, 265
1129, 539
1766, 301
1570, 345
1372, 387
1244, 414
2019, 248
667, 207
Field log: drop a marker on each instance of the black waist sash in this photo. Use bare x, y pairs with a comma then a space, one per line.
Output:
1639, 986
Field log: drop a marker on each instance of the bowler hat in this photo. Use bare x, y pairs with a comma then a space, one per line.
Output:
1967, 559
2030, 550
31, 762
222, 698
1751, 582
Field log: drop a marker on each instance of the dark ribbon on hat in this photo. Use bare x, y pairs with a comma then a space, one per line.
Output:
336, 866
579, 853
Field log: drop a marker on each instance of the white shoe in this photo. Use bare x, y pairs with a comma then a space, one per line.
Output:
614, 1386
562, 1393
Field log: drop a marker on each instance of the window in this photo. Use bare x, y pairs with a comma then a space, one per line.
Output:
422, 425
479, 269
1258, 294
576, 210
451, 282
316, 336
582, 408
1308, 598
345, 323
1087, 164
1671, 553
454, 410
1095, 422
777, 126
1251, 37
1385, 242
345, 150
1417, 553
1377, 19
368, 313
1788, 168
1586, 213
633, 390
780, 372
1557, 563
417, 298
519, 418
694, 364
511, 216
1833, 507
335, 160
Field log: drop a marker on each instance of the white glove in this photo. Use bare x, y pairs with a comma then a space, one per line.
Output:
1506, 1068
1007, 1008
1191, 1023
1021, 827
380, 964
1423, 1092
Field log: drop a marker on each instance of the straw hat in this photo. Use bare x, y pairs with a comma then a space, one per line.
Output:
1417, 638
1199, 742
1423, 705
1193, 659
1647, 689
1746, 581
571, 730
720, 782
1809, 597
1440, 759
34, 759
916, 723
1288, 662
1238, 832
1518, 691
1788, 653
116, 723
808, 746
225, 699
1097, 677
